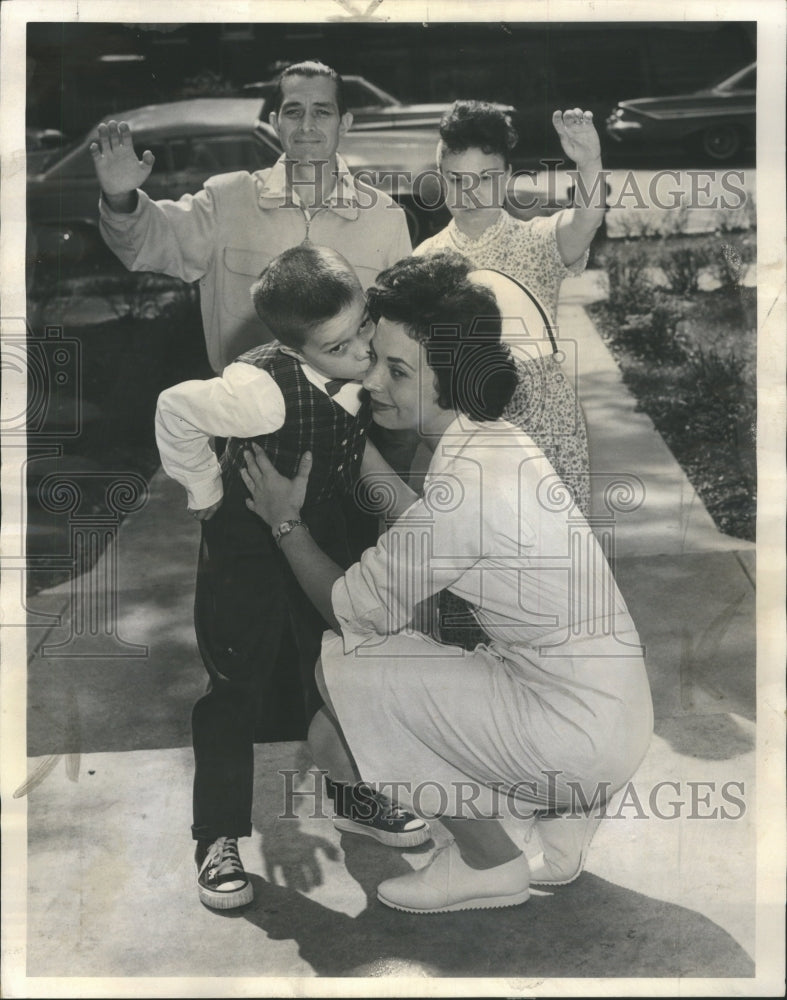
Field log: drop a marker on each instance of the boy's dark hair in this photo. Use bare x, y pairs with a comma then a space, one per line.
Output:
458, 322
477, 125
301, 288
310, 67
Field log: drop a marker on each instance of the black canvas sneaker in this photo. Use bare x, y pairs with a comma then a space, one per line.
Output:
360, 809
222, 882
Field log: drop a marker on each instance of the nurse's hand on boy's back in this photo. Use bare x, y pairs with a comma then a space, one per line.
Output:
118, 170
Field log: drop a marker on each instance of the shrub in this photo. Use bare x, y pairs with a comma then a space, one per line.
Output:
724, 401
656, 334
730, 261
674, 221
631, 290
730, 220
639, 224
139, 295
683, 266
690, 361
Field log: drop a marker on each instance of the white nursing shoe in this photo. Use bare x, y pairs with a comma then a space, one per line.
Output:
556, 846
447, 884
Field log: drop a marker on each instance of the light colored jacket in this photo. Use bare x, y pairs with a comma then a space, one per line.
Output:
225, 235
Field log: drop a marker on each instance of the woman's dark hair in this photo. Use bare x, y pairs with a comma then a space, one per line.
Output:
457, 322
477, 125
310, 68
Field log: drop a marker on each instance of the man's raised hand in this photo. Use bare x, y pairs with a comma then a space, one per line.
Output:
118, 170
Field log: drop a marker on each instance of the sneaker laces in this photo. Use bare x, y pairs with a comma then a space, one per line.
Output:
388, 809
532, 846
224, 856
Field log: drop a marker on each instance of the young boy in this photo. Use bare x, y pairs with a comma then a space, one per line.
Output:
299, 393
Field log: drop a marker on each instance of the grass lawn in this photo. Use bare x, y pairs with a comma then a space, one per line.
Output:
689, 358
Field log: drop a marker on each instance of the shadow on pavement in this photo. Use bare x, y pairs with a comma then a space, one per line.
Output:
589, 928
708, 737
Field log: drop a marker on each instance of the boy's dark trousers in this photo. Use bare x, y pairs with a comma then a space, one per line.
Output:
247, 604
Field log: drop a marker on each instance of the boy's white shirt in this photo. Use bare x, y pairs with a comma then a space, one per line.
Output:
244, 401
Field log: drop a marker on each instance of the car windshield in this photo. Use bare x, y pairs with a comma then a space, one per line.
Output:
359, 93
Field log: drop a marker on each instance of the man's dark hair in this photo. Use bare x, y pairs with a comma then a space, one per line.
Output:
302, 288
458, 323
311, 67
477, 125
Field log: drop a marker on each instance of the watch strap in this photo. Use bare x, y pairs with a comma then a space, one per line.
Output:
286, 527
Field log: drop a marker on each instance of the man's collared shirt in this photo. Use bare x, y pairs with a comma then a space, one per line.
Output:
227, 233
278, 190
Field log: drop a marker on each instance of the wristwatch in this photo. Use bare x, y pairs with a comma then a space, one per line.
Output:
285, 528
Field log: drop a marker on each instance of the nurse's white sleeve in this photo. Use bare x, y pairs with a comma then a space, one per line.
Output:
428, 548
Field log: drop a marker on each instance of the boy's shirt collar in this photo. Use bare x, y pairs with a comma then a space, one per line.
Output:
348, 397
273, 190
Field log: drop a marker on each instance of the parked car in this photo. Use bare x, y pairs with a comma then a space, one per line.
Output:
191, 140
195, 139
718, 121
42, 146
43, 138
371, 106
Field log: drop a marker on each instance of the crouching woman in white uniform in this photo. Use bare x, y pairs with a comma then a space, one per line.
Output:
556, 708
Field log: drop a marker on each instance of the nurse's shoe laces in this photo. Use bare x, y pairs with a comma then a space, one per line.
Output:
222, 883
362, 810
556, 846
447, 884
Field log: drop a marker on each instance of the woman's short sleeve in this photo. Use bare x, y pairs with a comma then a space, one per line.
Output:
545, 228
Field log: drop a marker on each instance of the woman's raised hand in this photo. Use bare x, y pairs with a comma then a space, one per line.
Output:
274, 497
118, 170
578, 136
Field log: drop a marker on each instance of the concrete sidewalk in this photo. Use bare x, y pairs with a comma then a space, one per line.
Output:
111, 880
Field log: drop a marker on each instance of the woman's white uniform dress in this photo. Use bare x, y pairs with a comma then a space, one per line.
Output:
557, 705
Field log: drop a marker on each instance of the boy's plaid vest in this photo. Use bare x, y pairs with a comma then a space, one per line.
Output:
312, 422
